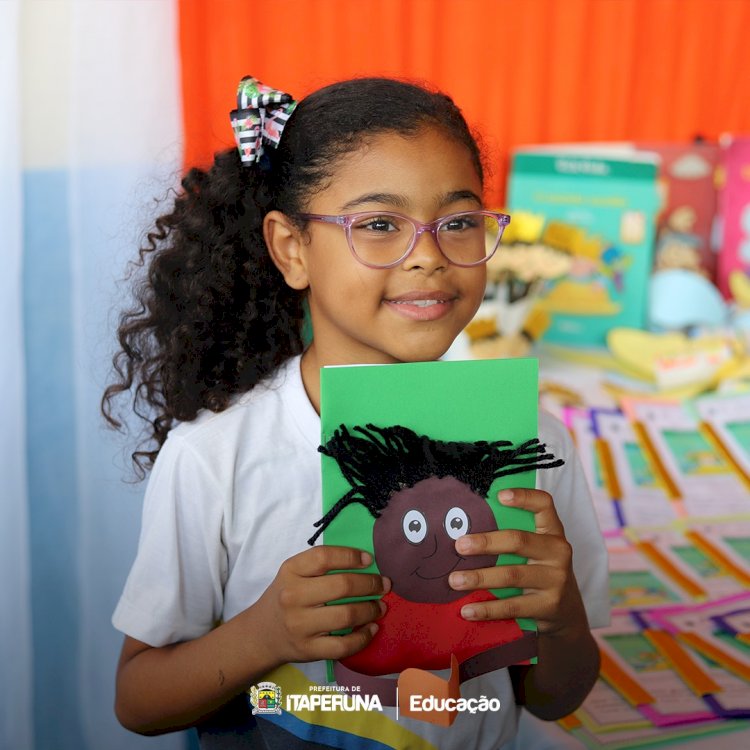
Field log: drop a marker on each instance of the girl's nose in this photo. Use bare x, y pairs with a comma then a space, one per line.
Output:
426, 254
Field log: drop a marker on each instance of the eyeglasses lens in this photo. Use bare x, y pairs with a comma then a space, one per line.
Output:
469, 238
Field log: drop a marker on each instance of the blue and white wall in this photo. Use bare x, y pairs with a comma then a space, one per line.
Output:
89, 136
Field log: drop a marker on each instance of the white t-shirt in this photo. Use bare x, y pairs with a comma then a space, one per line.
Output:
233, 495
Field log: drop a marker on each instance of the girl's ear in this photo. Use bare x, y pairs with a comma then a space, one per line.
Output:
285, 242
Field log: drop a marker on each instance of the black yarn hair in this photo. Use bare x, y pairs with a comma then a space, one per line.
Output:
380, 461
212, 316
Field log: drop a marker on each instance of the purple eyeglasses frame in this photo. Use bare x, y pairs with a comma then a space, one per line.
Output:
345, 221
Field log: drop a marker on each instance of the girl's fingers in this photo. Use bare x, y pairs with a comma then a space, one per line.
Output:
312, 592
353, 615
544, 580
537, 547
541, 606
539, 503
340, 646
317, 561
529, 577
512, 608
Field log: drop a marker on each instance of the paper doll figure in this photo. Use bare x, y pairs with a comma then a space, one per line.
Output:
424, 494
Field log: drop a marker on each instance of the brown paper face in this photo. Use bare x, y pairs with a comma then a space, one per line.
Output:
415, 537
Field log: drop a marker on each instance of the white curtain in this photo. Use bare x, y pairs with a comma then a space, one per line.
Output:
89, 135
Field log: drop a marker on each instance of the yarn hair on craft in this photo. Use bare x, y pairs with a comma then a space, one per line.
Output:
377, 462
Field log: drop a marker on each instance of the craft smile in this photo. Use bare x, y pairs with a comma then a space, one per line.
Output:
442, 575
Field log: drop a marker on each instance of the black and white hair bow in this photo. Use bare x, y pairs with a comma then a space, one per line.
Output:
260, 117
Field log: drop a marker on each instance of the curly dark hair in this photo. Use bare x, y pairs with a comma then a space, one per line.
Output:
212, 315
380, 461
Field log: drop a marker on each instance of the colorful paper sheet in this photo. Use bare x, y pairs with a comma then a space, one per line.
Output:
725, 420
686, 462
581, 426
672, 549
630, 476
658, 692
635, 582
696, 627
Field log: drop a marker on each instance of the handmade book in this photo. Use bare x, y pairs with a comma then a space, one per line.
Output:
706, 629
634, 582
607, 505
628, 475
734, 213
633, 664
725, 421
599, 206
685, 236
413, 456
684, 460
675, 551
717, 676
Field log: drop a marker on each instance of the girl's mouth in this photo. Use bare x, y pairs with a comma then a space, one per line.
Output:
419, 302
424, 306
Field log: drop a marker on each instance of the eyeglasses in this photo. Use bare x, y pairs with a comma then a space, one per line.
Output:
382, 239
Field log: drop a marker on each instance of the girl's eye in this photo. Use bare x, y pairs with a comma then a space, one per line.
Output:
458, 223
414, 526
456, 523
377, 224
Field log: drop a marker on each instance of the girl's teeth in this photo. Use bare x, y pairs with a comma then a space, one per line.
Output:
419, 302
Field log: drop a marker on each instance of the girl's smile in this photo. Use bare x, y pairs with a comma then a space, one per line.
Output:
422, 305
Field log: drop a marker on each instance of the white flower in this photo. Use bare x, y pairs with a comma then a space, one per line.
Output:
527, 263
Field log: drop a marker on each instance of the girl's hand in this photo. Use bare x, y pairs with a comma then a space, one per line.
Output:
550, 592
294, 610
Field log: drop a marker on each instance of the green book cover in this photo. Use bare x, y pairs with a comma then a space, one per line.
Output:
600, 208
386, 415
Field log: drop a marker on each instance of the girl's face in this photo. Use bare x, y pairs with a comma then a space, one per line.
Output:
411, 312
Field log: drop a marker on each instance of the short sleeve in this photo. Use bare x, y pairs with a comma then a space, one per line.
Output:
174, 590
570, 491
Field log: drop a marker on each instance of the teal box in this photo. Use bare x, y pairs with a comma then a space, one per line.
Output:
601, 209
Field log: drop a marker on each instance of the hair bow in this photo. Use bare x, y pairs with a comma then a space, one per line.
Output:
260, 117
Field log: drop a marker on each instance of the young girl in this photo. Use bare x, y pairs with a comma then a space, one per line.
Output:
353, 211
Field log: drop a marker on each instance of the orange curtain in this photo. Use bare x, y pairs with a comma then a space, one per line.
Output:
523, 71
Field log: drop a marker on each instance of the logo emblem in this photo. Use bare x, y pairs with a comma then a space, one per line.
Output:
266, 698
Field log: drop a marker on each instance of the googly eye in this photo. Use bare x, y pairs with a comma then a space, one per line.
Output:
456, 523
415, 526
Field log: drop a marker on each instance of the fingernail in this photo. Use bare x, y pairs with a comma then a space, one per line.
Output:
373, 628
457, 579
387, 585
383, 607
468, 612
506, 496
366, 558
